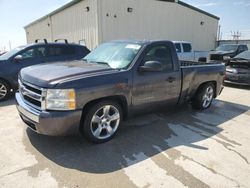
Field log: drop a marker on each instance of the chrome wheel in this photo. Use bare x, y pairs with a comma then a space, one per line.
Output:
208, 97
3, 91
105, 122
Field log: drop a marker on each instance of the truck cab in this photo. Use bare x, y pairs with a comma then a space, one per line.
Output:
185, 51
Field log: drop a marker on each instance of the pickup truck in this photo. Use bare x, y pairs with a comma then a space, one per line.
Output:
115, 81
185, 52
226, 51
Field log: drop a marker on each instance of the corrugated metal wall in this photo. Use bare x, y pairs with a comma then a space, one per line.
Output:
73, 23
109, 20
40, 30
156, 20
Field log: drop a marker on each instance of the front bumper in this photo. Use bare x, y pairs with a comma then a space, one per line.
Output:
52, 123
238, 79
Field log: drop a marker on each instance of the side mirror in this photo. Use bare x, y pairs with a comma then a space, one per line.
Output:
18, 58
151, 66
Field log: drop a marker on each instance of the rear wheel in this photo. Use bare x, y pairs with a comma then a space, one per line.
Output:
102, 121
4, 90
204, 97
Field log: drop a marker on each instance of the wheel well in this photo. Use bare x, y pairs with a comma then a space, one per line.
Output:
204, 83
6, 82
121, 100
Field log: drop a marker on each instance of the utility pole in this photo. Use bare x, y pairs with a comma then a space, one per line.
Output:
236, 36
218, 34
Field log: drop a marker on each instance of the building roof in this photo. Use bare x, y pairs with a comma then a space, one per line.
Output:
198, 10
73, 2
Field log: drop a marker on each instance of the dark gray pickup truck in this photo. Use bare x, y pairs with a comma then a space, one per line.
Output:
116, 80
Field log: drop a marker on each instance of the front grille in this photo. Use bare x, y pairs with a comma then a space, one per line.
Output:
216, 57
32, 95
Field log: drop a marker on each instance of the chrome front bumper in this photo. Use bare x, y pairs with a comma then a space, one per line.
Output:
51, 123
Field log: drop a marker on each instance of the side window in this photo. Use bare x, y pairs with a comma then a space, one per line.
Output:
40, 52
187, 47
241, 48
161, 53
68, 50
54, 51
28, 54
178, 47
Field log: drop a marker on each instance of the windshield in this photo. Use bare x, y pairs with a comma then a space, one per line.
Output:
243, 55
228, 48
116, 55
11, 53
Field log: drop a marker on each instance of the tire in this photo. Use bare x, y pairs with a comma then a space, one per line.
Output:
203, 97
98, 126
4, 90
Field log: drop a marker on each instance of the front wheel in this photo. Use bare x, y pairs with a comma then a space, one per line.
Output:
204, 97
102, 121
4, 90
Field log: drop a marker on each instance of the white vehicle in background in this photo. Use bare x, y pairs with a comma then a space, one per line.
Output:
185, 52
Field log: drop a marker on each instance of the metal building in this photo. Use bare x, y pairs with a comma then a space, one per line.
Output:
92, 22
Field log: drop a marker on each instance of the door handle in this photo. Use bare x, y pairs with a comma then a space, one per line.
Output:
171, 79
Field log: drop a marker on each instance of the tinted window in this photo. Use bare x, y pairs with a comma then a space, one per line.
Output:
33, 53
243, 48
40, 52
161, 53
68, 50
28, 54
187, 47
61, 51
178, 47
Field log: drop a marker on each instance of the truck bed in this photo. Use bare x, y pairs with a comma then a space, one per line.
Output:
196, 73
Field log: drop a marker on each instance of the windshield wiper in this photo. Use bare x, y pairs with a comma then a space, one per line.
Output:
101, 62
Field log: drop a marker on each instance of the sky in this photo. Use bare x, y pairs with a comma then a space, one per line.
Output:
15, 14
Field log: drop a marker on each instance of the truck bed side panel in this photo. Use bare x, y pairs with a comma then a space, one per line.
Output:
194, 76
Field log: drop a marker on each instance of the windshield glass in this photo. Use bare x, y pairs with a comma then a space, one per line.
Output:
11, 53
116, 55
231, 47
243, 55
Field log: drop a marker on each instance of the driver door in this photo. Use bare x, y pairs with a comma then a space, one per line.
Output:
157, 88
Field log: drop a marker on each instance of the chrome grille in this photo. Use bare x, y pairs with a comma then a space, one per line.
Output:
32, 95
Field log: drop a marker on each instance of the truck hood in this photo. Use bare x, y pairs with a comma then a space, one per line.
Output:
221, 52
48, 75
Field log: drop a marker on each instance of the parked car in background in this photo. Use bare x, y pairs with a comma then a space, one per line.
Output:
114, 81
33, 54
185, 52
238, 69
226, 51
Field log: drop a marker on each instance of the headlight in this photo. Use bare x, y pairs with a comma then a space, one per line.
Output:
60, 99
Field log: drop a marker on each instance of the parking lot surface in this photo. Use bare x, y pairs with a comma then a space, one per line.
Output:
180, 147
